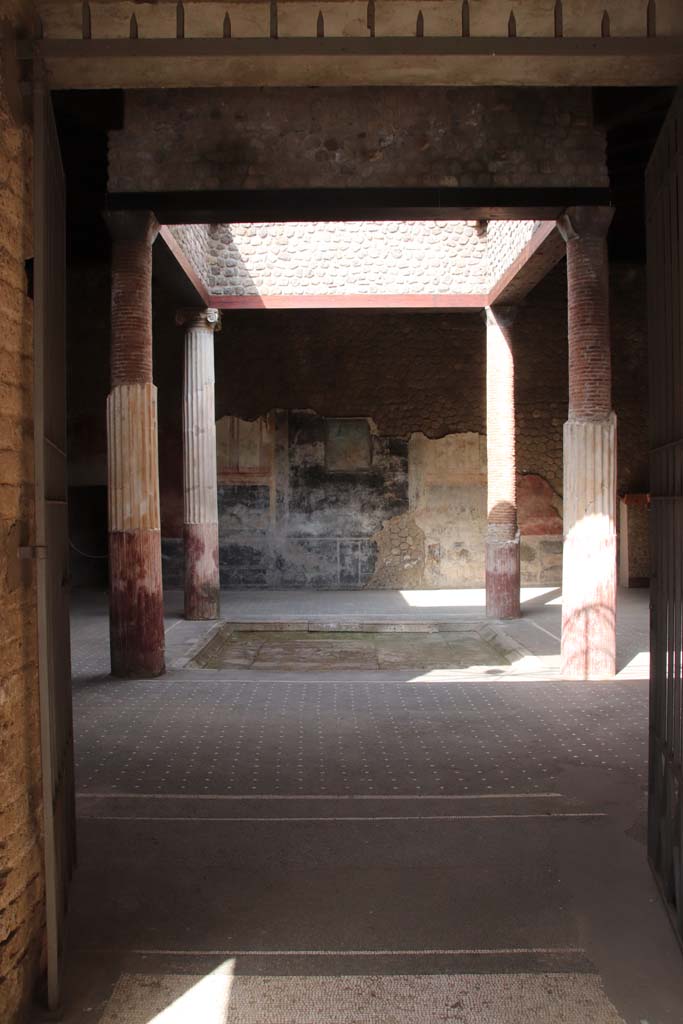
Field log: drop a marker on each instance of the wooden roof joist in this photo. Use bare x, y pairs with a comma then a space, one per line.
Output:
322, 60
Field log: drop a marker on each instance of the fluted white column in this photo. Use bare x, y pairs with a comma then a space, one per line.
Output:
200, 489
589, 574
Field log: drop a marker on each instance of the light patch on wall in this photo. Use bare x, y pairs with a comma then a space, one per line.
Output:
244, 448
447, 485
348, 447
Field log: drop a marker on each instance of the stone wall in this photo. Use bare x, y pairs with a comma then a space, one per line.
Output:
308, 522
505, 239
362, 257
412, 514
350, 137
411, 257
21, 870
194, 241
418, 380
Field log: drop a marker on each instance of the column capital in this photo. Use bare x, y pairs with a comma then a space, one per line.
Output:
209, 319
500, 316
585, 222
132, 225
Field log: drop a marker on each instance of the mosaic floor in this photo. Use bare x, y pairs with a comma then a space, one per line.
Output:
312, 833
313, 735
220, 998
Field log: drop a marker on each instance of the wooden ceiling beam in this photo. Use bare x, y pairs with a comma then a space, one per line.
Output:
254, 206
540, 255
422, 60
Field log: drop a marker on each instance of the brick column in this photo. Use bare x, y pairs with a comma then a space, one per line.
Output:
589, 571
200, 530
136, 596
502, 537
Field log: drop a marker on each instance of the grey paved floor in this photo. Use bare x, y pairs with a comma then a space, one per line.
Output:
259, 846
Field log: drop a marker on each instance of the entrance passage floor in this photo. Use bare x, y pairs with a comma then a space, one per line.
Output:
300, 843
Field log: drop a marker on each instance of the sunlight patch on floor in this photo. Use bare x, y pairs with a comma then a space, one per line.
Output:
172, 998
474, 598
637, 668
401, 999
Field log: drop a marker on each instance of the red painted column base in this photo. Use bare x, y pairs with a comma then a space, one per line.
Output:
202, 576
136, 604
502, 578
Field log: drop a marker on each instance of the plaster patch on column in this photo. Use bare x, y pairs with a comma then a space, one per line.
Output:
136, 604
133, 460
202, 582
590, 472
589, 563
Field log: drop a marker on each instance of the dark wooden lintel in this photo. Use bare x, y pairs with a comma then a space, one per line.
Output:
251, 206
375, 46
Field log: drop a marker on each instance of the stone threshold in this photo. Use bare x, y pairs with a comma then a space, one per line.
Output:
347, 625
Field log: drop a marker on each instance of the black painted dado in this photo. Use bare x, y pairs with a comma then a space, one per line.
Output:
308, 525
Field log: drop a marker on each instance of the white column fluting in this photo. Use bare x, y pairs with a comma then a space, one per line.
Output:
200, 488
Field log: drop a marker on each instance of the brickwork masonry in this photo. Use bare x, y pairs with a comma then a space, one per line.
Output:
21, 871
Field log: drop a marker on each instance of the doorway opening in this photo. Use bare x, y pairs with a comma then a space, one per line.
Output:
300, 814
